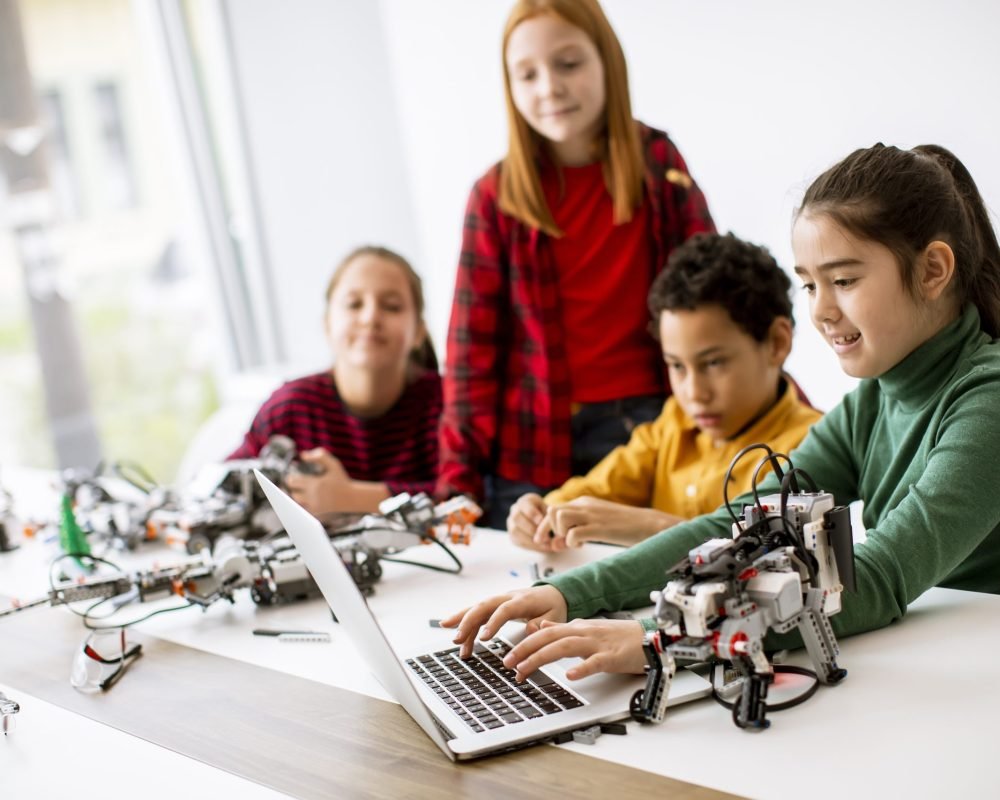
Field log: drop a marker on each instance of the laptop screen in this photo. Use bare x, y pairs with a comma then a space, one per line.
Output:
347, 602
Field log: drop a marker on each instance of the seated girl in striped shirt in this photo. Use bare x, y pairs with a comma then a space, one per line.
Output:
369, 423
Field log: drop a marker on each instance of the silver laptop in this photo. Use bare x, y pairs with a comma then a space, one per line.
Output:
469, 708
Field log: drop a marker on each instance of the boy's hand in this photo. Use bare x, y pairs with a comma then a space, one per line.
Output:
524, 520
533, 605
605, 645
589, 519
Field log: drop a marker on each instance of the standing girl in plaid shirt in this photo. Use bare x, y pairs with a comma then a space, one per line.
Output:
550, 364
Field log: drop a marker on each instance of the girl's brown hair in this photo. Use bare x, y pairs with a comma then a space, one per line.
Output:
520, 192
906, 199
422, 356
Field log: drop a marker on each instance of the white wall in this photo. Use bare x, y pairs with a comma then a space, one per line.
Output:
760, 96
324, 141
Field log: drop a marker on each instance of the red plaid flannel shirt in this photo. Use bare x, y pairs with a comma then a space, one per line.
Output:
507, 384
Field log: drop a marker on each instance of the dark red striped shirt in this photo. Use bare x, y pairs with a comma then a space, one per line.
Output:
400, 448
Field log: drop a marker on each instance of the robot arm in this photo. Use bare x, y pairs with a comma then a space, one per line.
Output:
8, 708
272, 568
200, 583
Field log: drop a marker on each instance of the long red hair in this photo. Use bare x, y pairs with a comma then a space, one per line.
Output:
520, 192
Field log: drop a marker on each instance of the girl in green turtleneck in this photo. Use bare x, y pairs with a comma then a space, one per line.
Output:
902, 267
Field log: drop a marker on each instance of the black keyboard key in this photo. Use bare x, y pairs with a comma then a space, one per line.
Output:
484, 692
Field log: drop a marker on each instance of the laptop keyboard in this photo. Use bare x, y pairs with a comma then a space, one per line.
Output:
483, 692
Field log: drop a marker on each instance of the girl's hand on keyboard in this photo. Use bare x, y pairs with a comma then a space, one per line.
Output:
605, 645
532, 605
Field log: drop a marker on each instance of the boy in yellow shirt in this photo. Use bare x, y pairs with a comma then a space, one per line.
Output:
722, 313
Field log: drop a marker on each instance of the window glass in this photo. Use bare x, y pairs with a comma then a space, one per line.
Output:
61, 173
118, 179
137, 288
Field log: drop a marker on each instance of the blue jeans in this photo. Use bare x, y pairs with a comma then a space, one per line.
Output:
598, 428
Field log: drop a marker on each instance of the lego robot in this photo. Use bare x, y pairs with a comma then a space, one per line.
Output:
403, 521
8, 708
7, 521
790, 558
225, 499
113, 503
271, 567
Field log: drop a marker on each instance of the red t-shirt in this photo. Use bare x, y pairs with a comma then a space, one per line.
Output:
605, 271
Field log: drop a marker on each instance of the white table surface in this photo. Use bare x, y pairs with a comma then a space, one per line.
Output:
54, 753
915, 717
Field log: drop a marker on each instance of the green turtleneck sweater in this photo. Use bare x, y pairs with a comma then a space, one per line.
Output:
920, 445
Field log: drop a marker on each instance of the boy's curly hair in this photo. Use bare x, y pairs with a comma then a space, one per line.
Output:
741, 277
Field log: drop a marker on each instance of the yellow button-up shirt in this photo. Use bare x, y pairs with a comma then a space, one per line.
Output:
672, 466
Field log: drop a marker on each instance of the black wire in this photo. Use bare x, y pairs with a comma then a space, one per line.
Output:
267, 537
772, 459
799, 542
90, 609
340, 532
427, 537
769, 537
88, 626
790, 478
446, 570
785, 668
788, 484
442, 545
729, 477
86, 614
78, 556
